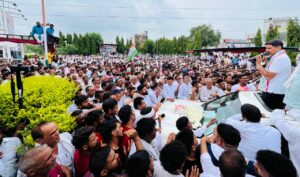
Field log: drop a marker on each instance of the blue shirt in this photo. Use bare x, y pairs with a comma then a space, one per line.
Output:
50, 31
235, 61
37, 30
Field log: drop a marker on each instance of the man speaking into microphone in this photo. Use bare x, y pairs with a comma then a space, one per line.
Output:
276, 72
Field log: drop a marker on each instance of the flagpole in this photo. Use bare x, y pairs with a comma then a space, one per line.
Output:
45, 33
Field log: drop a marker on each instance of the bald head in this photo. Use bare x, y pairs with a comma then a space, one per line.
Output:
37, 161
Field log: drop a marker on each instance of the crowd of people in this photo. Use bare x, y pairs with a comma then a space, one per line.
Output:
118, 132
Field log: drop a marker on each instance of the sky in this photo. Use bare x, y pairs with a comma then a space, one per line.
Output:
161, 18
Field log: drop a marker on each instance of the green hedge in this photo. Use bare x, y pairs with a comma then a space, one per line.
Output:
45, 99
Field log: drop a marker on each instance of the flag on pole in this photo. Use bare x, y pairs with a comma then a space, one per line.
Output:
132, 51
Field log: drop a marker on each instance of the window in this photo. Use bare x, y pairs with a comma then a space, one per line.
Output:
221, 109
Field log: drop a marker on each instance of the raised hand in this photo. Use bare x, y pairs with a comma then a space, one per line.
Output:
194, 172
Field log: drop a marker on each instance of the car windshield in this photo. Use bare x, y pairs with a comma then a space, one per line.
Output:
221, 109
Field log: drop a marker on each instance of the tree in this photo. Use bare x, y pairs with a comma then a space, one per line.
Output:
62, 39
148, 47
293, 33
118, 43
127, 46
203, 36
69, 49
33, 49
258, 38
122, 48
273, 33
69, 39
293, 38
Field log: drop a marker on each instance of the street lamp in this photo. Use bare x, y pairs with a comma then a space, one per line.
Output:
14, 4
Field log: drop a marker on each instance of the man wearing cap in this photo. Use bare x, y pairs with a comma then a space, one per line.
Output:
277, 71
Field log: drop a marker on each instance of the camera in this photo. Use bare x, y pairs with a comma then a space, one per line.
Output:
20, 67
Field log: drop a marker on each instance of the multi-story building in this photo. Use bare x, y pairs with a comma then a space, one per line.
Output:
140, 38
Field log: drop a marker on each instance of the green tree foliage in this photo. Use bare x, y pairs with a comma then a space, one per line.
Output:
69, 39
148, 46
86, 44
293, 33
62, 39
28, 48
70, 49
203, 36
258, 38
273, 33
44, 99
293, 37
121, 48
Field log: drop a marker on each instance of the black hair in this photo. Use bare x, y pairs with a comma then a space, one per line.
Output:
142, 81
107, 95
170, 78
140, 88
76, 113
79, 99
125, 113
98, 160
145, 126
276, 164
275, 43
93, 117
137, 101
194, 83
81, 137
229, 134
107, 129
146, 110
36, 132
109, 104
172, 156
153, 85
186, 136
251, 113
138, 164
182, 123
103, 84
87, 88
232, 164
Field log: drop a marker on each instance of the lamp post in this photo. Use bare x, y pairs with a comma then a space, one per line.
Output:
44, 26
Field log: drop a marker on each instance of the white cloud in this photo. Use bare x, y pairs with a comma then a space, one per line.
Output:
172, 18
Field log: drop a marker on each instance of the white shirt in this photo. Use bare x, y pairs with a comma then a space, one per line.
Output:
205, 93
153, 98
209, 170
280, 63
159, 171
8, 163
290, 132
169, 91
255, 136
200, 131
124, 101
148, 100
153, 152
183, 92
138, 116
66, 151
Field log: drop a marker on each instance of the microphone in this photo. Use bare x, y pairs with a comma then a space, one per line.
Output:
160, 117
265, 54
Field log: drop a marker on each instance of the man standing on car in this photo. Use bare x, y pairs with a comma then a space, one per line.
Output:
276, 72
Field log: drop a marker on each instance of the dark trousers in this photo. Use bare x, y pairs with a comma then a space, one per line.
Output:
273, 101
